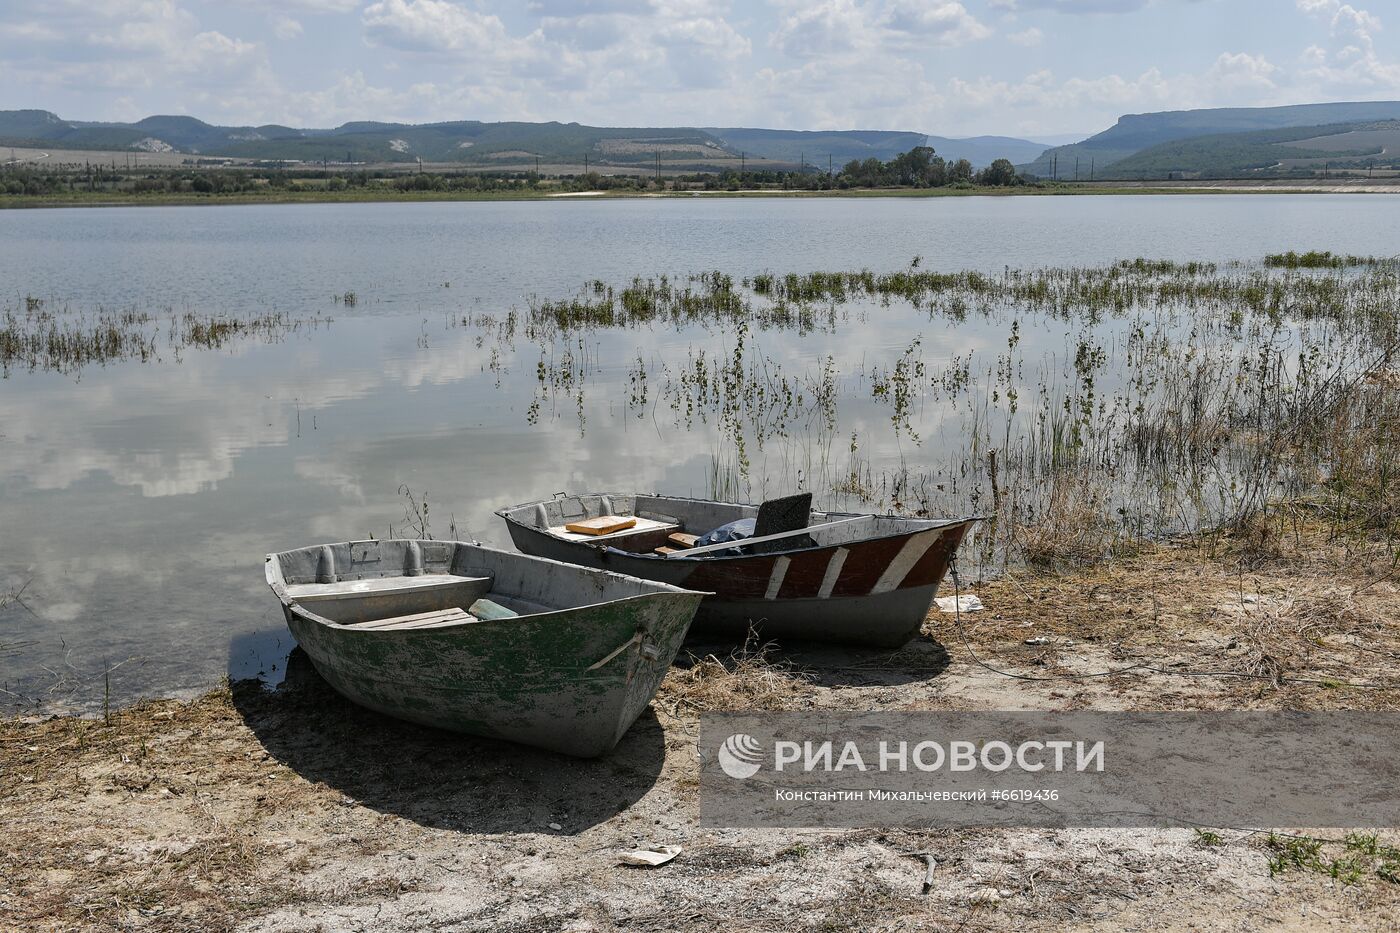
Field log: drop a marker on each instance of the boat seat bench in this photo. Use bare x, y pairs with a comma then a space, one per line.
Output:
487, 611
350, 602
372, 585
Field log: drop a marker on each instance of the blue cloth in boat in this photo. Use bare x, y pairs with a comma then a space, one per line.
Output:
734, 531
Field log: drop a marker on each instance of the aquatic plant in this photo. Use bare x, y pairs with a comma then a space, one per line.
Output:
1313, 259
1185, 395
38, 336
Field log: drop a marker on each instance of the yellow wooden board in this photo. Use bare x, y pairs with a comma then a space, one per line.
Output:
602, 525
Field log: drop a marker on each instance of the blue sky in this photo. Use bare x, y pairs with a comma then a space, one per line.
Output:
1017, 67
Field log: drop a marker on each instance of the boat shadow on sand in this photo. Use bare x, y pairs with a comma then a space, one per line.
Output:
442, 779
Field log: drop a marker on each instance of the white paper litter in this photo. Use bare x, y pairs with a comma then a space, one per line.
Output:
968, 603
648, 858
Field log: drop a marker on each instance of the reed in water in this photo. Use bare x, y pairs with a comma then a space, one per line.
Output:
1159, 397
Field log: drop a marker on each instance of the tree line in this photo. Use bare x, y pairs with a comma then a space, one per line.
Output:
920, 167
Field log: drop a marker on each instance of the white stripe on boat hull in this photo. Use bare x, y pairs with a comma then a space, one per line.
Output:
833, 572
775, 579
914, 549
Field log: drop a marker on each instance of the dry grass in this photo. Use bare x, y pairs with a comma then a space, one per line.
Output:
747, 679
1282, 613
1071, 528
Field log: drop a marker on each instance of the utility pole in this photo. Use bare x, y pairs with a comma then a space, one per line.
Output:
537, 164
828, 164
1076, 168
741, 162
1091, 169
658, 166
585, 163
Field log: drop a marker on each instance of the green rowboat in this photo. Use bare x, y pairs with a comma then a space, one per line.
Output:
487, 642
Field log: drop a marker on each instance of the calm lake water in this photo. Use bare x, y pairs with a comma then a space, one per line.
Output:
137, 499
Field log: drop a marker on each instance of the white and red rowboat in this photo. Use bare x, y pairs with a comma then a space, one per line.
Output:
859, 579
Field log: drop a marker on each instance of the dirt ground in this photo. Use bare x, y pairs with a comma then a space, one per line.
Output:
292, 810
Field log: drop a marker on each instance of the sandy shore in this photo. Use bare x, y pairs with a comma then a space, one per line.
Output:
292, 810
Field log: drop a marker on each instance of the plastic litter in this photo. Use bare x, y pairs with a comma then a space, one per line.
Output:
965, 603
648, 858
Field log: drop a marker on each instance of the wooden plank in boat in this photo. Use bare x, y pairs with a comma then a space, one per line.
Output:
601, 525
417, 620
642, 525
682, 540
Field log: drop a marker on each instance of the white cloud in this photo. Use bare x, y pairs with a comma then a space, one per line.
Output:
587, 33
431, 25
301, 6
847, 27
568, 8
217, 46
1026, 37
1235, 71
1349, 62
702, 52
832, 27
126, 49
944, 23
29, 32
1072, 6
284, 27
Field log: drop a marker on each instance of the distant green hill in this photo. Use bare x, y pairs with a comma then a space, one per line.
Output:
982, 151
1137, 132
468, 141
29, 124
182, 133
479, 143
472, 142
1273, 151
816, 145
